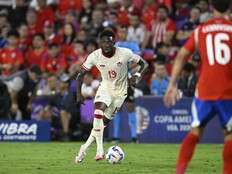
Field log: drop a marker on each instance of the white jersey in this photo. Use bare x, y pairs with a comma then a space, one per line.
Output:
114, 70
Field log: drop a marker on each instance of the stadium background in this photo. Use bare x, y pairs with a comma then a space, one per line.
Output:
58, 35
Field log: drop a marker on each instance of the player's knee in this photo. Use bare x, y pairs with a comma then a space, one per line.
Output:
227, 135
106, 121
98, 113
130, 107
100, 106
197, 131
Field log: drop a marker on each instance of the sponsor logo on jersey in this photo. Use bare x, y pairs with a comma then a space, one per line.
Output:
102, 65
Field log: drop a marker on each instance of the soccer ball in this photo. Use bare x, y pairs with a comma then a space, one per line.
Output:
115, 155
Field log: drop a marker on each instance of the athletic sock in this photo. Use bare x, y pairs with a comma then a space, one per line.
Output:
186, 152
90, 140
98, 127
227, 157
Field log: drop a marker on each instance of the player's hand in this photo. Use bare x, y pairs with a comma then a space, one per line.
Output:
80, 99
172, 95
133, 80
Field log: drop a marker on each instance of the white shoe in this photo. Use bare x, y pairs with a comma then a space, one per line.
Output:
99, 157
81, 155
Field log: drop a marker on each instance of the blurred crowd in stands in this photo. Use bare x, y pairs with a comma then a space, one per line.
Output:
44, 42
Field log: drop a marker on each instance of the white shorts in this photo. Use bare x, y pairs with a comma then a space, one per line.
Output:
113, 102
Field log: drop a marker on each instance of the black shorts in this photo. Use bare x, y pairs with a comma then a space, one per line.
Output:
130, 95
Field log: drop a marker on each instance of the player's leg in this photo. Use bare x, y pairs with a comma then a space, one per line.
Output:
132, 120
224, 109
131, 113
107, 115
202, 112
98, 128
65, 118
96, 134
187, 148
102, 101
227, 153
116, 125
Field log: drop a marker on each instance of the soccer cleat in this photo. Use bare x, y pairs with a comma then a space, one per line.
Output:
99, 157
81, 155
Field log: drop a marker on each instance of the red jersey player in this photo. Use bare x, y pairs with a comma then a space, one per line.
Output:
213, 95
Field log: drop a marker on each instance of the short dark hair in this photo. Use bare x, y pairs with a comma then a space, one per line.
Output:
79, 42
160, 45
221, 5
196, 7
91, 41
52, 45
39, 35
108, 33
160, 60
35, 69
162, 6
13, 33
205, 1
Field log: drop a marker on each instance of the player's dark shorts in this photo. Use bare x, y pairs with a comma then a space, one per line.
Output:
203, 111
130, 95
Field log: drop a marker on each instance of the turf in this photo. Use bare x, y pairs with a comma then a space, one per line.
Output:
57, 158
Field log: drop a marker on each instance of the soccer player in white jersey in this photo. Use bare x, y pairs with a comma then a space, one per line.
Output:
112, 62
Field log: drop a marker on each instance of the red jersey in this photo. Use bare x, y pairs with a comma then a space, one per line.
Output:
32, 30
53, 38
24, 45
35, 56
148, 15
213, 40
53, 65
159, 30
67, 49
66, 5
13, 57
43, 15
123, 17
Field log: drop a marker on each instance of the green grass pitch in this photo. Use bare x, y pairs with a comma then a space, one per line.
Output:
58, 158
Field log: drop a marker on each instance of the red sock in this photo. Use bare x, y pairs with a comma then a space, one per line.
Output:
186, 152
227, 157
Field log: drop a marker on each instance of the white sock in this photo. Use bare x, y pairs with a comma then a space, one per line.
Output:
99, 141
98, 127
90, 140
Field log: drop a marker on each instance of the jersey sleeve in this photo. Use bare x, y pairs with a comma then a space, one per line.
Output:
193, 40
133, 57
89, 62
171, 26
190, 43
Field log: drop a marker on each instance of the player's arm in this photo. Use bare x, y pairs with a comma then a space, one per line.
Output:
172, 94
79, 76
14, 94
142, 67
